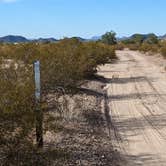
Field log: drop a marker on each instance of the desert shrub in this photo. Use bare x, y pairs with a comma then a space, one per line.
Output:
133, 47
16, 107
163, 49
143, 42
146, 47
119, 46
154, 48
64, 64
16, 88
71, 61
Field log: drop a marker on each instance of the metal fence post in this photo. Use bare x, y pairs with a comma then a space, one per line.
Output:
38, 110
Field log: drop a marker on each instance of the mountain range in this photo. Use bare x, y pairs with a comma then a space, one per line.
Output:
21, 39
13, 39
162, 37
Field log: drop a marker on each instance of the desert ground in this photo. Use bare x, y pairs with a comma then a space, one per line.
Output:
136, 103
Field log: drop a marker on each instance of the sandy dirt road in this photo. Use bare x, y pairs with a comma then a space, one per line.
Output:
136, 89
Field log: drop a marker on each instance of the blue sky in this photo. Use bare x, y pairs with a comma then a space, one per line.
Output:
85, 18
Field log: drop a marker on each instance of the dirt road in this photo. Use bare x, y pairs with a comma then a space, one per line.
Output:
136, 89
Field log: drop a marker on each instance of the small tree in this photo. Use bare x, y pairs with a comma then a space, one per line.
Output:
109, 38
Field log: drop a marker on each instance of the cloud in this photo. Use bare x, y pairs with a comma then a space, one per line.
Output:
8, 1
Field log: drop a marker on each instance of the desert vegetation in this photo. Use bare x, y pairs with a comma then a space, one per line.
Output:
70, 59
109, 38
64, 64
145, 43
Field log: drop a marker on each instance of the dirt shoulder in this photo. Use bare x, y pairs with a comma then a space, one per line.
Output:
82, 129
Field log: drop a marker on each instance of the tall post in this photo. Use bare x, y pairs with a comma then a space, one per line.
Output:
38, 110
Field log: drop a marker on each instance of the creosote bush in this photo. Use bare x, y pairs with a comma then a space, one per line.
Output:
16, 107
65, 64
145, 46
163, 49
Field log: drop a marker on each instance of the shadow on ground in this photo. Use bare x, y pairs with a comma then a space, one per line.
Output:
129, 126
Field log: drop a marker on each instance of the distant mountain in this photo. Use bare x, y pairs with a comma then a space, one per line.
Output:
44, 40
144, 36
95, 38
139, 37
21, 39
162, 37
123, 38
80, 39
13, 39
